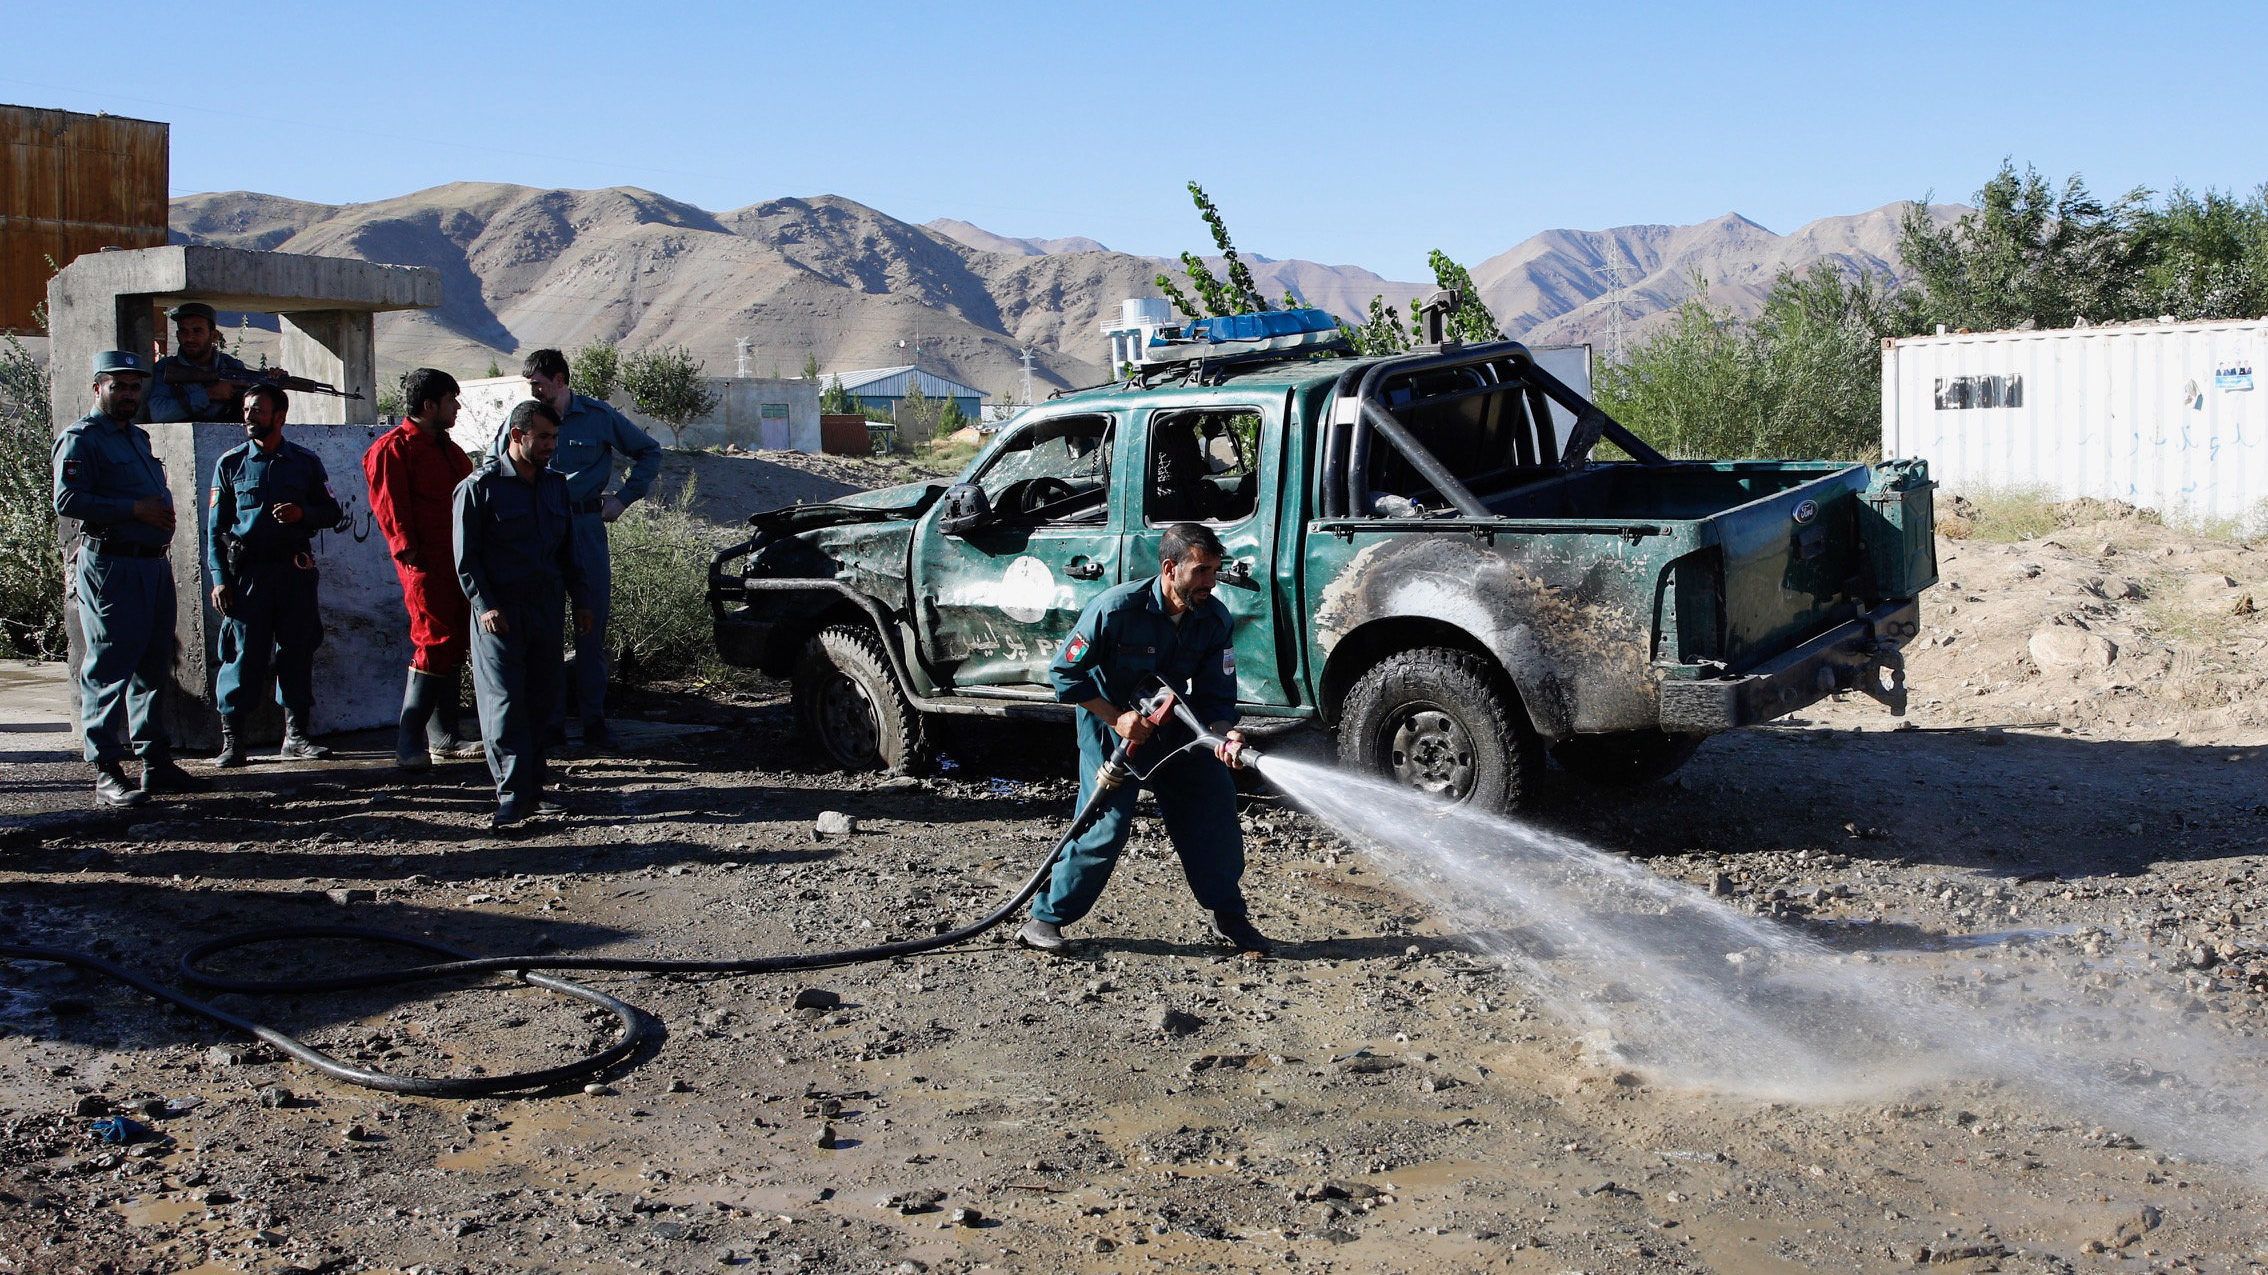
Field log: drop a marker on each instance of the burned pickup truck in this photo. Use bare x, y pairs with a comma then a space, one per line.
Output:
1424, 555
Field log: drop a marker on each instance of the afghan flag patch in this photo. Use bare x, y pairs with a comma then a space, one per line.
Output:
1228, 660
1076, 651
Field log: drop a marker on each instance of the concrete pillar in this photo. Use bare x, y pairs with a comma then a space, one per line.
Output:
337, 348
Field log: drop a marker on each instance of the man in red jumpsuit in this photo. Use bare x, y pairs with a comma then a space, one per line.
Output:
413, 470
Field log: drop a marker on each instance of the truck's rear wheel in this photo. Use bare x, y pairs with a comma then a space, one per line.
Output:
1626, 757
848, 702
1441, 721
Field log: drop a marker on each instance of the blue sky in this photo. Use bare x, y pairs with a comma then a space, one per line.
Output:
1344, 133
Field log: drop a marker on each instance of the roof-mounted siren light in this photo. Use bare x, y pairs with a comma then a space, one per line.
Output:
1230, 334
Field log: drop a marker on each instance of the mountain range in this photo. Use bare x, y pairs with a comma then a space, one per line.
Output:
854, 287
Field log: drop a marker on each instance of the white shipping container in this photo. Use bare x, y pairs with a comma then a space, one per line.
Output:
2164, 416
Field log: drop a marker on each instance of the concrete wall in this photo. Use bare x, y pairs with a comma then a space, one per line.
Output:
738, 420
359, 670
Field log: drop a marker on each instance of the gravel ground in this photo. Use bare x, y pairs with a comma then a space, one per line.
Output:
1382, 1096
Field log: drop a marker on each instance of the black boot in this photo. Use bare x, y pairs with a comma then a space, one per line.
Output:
418, 699
296, 745
231, 754
160, 774
112, 788
442, 742
1241, 934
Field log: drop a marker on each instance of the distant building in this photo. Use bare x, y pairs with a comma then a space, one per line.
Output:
1139, 319
885, 387
753, 413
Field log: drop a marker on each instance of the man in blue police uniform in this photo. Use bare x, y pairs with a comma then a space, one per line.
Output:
191, 383
107, 478
515, 557
270, 498
1168, 627
591, 435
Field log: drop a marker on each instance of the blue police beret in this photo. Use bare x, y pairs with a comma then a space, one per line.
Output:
120, 361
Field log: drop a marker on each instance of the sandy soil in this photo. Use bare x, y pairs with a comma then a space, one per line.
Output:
1380, 1097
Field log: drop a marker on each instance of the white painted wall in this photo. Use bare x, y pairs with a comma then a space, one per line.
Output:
738, 420
2165, 416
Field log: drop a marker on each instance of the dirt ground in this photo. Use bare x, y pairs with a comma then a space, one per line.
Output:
2085, 757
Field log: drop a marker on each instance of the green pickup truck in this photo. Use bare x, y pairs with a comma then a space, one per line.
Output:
1423, 556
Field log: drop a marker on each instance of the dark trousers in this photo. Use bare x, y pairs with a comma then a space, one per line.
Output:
126, 619
272, 630
516, 680
1196, 795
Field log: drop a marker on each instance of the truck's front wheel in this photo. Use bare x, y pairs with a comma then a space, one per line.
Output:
848, 702
1441, 721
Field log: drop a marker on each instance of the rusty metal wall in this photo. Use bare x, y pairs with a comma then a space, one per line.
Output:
73, 184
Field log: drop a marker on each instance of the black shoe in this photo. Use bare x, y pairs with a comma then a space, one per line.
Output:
550, 808
450, 748
508, 815
298, 747
598, 739
231, 754
1043, 935
112, 789
159, 774
1237, 929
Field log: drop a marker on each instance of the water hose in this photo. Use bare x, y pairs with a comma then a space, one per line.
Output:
633, 1028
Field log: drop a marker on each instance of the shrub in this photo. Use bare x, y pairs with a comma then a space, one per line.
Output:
660, 629
31, 565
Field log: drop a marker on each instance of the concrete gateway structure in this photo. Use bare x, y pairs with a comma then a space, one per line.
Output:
115, 301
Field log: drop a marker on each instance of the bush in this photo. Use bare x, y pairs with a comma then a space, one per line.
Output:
31, 565
660, 629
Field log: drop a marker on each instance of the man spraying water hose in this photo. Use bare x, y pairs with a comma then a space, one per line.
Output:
1167, 627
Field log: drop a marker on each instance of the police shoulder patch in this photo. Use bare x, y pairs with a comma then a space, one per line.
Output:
71, 470
1228, 660
1076, 650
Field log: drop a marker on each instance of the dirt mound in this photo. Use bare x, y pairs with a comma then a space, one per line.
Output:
2099, 618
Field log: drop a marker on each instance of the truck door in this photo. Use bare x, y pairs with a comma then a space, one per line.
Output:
995, 603
1204, 463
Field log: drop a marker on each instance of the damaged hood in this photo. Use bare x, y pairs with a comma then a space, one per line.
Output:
885, 505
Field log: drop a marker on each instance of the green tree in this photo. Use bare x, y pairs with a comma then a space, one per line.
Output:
835, 400
597, 369
494, 369
666, 384
917, 414
1803, 380
390, 402
2028, 254
810, 367
951, 419
2207, 256
31, 564
1238, 294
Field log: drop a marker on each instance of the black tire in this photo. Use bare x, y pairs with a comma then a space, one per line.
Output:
1442, 721
847, 701
1625, 758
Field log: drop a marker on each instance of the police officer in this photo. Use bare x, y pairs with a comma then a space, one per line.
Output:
195, 382
515, 557
1168, 627
107, 478
270, 497
591, 434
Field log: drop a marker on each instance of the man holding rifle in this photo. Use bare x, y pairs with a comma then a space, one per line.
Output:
200, 381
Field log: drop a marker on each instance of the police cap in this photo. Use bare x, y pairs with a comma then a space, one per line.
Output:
191, 310
114, 361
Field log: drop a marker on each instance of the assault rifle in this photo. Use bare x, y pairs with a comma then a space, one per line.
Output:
176, 374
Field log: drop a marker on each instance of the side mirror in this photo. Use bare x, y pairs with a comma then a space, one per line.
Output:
963, 509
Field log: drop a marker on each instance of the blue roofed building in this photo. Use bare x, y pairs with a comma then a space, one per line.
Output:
886, 387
